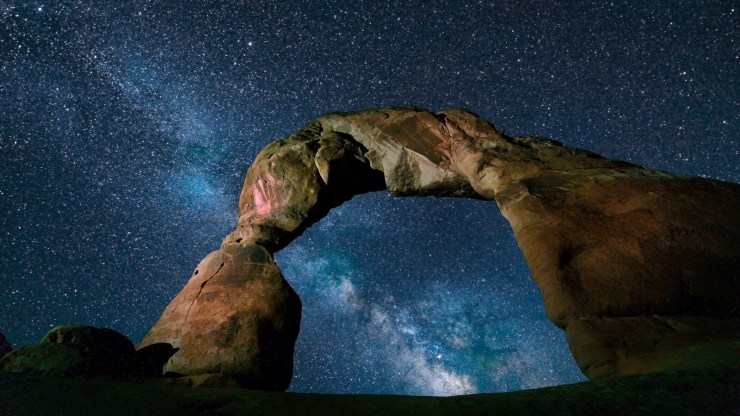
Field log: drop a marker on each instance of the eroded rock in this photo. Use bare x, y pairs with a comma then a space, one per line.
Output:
609, 347
74, 350
237, 317
55, 360
603, 238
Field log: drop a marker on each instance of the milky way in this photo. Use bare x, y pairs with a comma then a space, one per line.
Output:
126, 129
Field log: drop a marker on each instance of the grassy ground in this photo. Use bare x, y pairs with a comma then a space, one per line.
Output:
695, 393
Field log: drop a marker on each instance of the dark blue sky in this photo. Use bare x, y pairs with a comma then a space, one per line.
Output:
126, 129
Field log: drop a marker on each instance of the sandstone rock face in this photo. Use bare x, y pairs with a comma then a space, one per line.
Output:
604, 239
237, 316
71, 351
608, 347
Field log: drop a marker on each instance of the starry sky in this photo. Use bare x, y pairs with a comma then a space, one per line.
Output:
126, 129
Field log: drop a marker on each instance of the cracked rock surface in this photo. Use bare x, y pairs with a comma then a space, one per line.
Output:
616, 249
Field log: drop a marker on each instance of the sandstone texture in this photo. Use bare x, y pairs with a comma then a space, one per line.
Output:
236, 317
72, 351
617, 250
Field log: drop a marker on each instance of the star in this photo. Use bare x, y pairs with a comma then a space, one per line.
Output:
128, 128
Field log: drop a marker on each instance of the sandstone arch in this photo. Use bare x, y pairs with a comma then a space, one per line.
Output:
636, 265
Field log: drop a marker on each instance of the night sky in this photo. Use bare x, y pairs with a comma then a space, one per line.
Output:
126, 129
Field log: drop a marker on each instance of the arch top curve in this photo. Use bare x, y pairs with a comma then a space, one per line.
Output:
635, 264
294, 181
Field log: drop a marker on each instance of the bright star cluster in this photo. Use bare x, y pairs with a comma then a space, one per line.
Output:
126, 128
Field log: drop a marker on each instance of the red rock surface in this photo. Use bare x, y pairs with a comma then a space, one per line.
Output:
237, 316
603, 238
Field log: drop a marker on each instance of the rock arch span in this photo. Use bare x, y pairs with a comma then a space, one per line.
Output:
636, 265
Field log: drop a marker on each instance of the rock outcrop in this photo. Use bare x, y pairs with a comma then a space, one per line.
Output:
75, 351
616, 249
606, 347
237, 317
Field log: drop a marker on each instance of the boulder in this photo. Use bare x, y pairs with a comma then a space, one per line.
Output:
56, 360
72, 351
90, 340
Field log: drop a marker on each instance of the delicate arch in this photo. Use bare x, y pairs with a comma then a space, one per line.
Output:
624, 256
